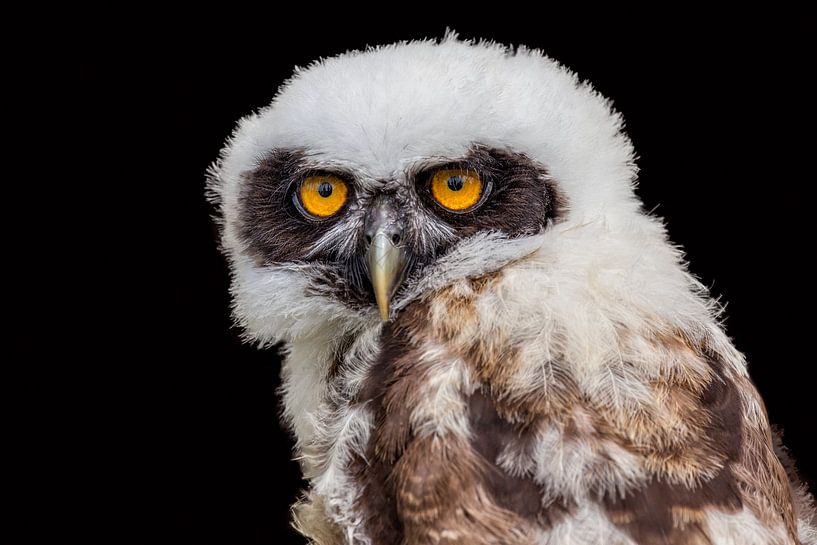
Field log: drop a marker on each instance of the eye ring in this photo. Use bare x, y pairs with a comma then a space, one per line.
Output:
457, 189
321, 196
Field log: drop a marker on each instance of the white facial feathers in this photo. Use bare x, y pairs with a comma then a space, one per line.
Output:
381, 112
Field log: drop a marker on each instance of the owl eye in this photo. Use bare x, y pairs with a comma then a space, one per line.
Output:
456, 189
322, 196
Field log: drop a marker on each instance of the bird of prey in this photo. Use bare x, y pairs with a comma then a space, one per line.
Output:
487, 340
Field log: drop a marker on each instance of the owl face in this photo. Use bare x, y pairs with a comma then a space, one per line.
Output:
376, 177
369, 237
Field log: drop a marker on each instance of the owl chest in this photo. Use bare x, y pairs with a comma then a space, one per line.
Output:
457, 437
471, 437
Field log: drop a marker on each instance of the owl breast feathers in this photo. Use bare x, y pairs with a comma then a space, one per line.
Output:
487, 341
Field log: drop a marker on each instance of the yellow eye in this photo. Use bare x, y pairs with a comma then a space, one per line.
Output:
323, 196
456, 188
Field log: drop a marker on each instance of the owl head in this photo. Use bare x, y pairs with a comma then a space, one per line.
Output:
377, 177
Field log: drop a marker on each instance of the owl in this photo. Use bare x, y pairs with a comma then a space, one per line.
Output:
486, 339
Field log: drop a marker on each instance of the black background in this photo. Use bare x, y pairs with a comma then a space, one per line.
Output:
185, 416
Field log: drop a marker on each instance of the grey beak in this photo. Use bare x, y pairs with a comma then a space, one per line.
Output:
385, 257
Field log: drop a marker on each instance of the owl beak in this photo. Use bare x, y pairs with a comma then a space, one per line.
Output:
386, 256
386, 262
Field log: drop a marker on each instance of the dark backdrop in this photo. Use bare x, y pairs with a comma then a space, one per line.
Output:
719, 108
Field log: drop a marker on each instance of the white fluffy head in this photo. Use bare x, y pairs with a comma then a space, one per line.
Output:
381, 112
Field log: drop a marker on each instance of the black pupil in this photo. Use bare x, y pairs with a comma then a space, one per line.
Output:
325, 189
455, 183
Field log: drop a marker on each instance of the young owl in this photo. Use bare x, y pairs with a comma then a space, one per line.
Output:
487, 340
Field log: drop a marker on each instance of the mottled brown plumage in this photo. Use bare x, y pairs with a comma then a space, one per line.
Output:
690, 443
